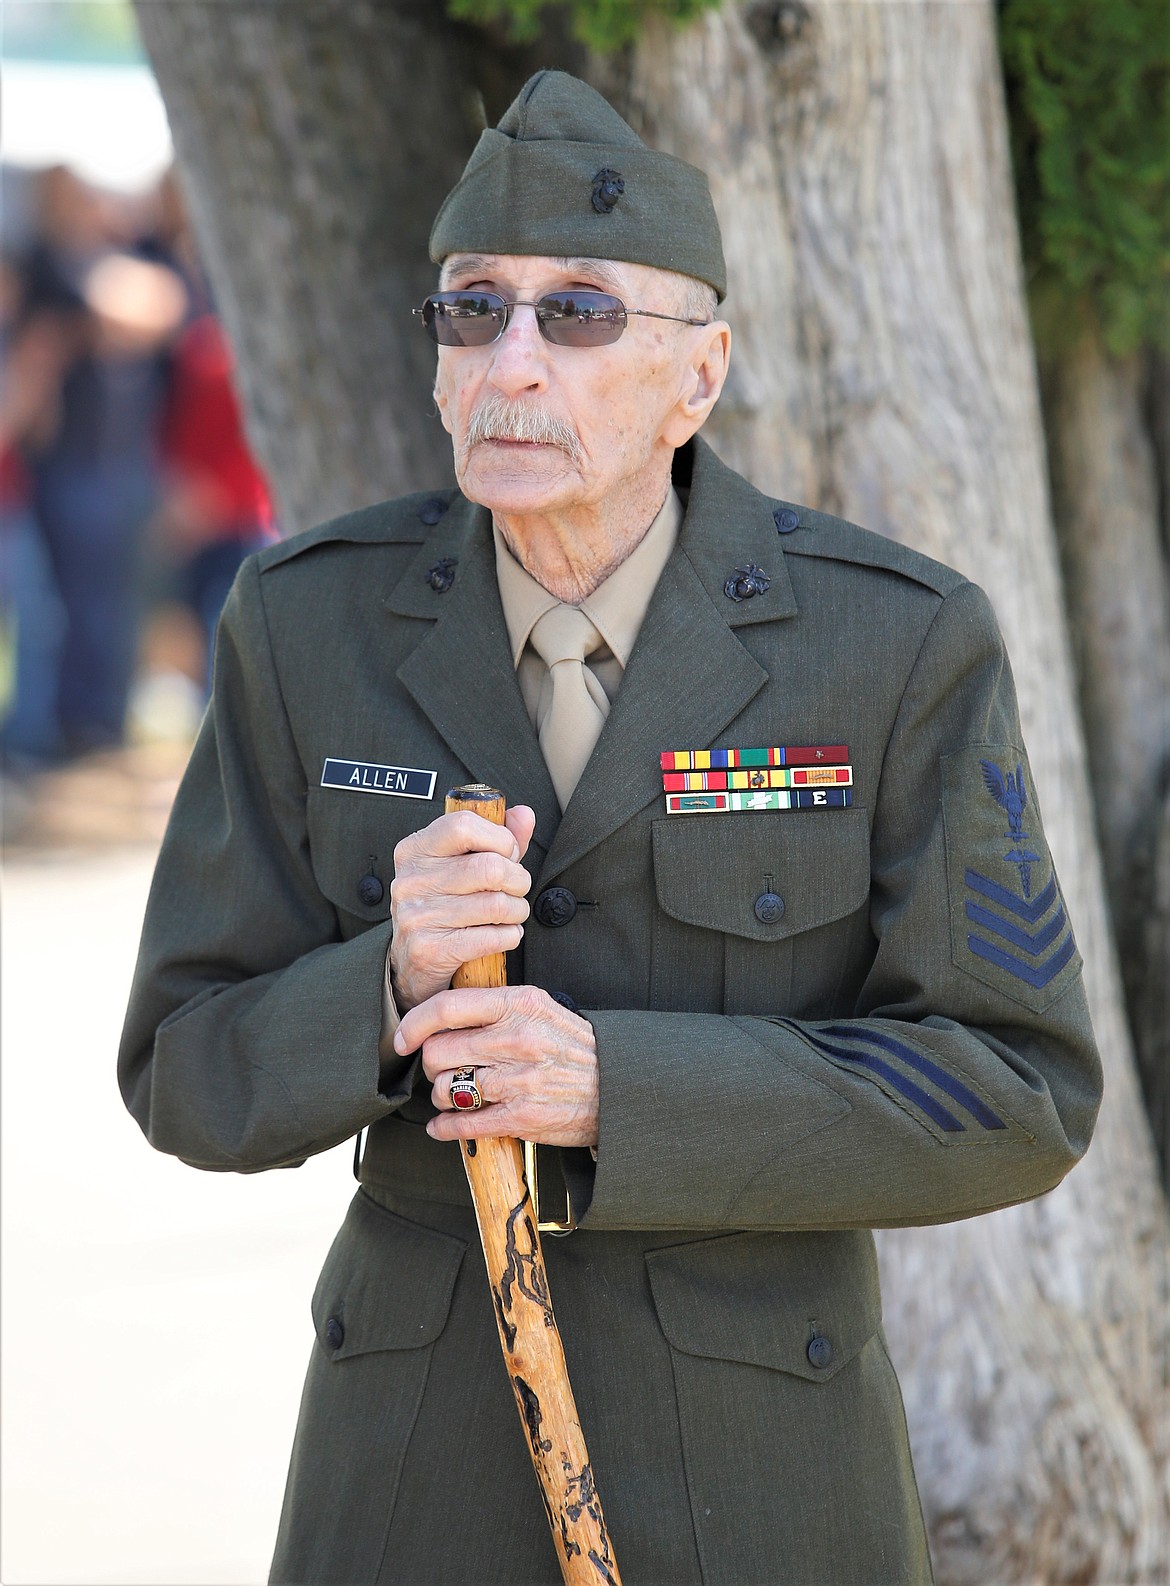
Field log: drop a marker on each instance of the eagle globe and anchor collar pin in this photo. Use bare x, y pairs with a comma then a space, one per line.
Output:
781, 777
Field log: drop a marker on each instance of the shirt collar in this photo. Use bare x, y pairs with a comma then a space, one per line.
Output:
616, 607
523, 599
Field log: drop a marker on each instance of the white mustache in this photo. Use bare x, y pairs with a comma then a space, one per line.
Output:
497, 419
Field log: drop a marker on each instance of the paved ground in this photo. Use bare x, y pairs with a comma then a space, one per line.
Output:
155, 1319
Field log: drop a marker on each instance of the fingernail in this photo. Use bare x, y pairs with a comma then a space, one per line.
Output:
399, 1043
431, 1128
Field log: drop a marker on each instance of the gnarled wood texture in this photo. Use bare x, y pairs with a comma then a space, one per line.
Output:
1117, 579
533, 1354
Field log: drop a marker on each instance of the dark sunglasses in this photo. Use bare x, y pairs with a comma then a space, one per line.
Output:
567, 319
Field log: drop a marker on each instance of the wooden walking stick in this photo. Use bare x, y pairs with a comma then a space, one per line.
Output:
529, 1338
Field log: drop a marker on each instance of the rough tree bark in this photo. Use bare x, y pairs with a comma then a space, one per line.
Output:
315, 140
304, 159
860, 166
858, 158
1104, 470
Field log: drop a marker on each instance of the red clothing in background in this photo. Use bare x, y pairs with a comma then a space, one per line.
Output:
14, 481
202, 434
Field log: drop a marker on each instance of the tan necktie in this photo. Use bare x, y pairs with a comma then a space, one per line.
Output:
570, 719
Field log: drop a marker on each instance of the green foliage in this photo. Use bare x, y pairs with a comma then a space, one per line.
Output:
603, 25
1089, 91
72, 30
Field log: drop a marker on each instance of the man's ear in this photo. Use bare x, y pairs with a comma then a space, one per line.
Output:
703, 378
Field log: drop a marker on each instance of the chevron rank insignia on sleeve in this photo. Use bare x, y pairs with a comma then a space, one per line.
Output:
1009, 927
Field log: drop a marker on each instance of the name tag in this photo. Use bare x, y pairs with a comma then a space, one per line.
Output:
359, 776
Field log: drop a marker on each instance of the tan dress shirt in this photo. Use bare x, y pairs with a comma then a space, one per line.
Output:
616, 608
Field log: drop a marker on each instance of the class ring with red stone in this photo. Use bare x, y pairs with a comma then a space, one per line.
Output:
465, 1093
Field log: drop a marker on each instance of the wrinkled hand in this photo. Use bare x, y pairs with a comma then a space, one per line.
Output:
535, 1064
459, 892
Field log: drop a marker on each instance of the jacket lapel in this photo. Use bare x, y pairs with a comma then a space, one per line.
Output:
689, 676
461, 674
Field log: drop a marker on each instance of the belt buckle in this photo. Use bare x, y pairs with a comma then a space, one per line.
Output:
530, 1174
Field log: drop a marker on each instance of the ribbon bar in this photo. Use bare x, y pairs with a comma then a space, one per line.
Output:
772, 777
770, 799
736, 759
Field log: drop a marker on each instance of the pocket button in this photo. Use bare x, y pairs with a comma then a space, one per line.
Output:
370, 890
769, 907
820, 1352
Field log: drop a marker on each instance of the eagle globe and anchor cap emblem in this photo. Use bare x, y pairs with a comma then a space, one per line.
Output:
608, 187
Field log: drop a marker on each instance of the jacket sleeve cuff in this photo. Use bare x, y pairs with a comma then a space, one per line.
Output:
397, 1073
676, 1150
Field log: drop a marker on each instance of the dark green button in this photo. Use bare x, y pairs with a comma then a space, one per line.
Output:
370, 890
555, 907
820, 1353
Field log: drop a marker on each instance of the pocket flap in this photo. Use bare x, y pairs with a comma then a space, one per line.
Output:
763, 1298
709, 870
352, 837
386, 1283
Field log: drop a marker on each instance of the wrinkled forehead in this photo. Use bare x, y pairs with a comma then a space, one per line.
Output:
470, 266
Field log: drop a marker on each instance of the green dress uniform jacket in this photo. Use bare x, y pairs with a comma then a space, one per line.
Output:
905, 1041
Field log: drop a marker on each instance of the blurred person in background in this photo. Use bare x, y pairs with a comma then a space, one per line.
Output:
93, 466
216, 507
37, 341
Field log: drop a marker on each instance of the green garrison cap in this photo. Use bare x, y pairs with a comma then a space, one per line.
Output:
564, 176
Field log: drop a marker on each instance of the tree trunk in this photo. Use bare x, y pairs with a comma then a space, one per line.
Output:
1158, 419
1149, 1006
307, 165
316, 139
883, 369
1106, 500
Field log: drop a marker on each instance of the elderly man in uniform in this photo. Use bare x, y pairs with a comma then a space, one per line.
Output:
796, 963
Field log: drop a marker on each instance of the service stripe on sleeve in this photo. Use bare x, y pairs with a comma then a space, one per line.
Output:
938, 1076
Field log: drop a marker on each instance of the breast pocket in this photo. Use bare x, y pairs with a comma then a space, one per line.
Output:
352, 837
738, 893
